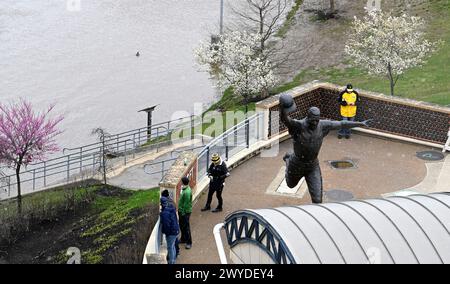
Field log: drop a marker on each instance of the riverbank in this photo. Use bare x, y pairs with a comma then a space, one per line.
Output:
323, 57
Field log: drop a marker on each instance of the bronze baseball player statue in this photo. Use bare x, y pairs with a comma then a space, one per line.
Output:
308, 134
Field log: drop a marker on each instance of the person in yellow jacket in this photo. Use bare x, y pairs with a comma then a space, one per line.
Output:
348, 99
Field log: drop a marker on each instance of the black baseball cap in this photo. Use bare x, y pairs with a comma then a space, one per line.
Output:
185, 180
165, 193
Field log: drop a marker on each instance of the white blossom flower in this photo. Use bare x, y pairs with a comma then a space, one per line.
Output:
236, 60
388, 45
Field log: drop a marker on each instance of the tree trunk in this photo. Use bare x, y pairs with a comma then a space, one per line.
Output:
103, 160
332, 7
264, 93
19, 191
391, 78
392, 85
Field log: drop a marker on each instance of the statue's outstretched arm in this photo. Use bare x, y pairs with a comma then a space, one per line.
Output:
335, 125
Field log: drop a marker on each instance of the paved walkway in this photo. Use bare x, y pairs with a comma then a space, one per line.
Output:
133, 176
382, 166
437, 179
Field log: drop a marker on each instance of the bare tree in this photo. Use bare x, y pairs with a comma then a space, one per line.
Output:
266, 18
103, 136
262, 16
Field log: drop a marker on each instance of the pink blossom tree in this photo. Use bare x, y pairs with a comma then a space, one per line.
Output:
25, 137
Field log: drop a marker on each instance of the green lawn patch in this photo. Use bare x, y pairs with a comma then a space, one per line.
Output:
289, 19
429, 82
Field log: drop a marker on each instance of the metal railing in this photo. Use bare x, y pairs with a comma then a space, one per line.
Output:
5, 181
232, 141
85, 161
161, 167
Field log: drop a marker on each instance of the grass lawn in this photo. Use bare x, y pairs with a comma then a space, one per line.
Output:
48, 200
289, 19
214, 116
113, 218
430, 83
210, 118
157, 140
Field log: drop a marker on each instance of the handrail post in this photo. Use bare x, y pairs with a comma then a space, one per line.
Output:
157, 137
45, 174
81, 159
93, 163
257, 127
68, 167
247, 132
125, 152
226, 146
34, 179
134, 145
235, 136
207, 158
192, 127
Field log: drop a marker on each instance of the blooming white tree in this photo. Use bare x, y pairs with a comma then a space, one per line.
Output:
384, 44
236, 60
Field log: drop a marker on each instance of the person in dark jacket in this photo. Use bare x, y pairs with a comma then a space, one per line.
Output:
184, 212
217, 172
165, 193
170, 227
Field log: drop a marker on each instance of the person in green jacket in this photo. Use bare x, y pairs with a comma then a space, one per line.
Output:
184, 213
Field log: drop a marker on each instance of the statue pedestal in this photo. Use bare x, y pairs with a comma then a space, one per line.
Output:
284, 189
279, 186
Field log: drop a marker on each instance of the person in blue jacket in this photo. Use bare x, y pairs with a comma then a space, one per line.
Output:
170, 227
165, 193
